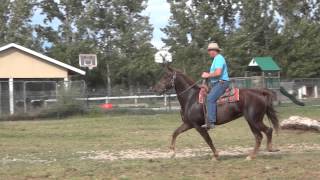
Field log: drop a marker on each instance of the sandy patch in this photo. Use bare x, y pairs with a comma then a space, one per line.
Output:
185, 153
149, 154
7, 160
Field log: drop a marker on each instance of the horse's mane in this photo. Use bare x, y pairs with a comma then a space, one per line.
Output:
189, 80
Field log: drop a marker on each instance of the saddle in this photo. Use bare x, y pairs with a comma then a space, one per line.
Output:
230, 95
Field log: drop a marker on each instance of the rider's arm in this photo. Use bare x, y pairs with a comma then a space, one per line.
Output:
216, 73
219, 63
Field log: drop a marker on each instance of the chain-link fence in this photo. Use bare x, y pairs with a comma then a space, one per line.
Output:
31, 97
256, 82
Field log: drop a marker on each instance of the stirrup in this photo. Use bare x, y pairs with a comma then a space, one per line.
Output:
208, 126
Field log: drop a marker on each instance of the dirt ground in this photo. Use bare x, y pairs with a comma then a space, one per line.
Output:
95, 148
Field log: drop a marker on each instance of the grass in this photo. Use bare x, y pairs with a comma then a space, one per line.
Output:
47, 149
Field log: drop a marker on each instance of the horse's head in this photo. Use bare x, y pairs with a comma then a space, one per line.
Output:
166, 82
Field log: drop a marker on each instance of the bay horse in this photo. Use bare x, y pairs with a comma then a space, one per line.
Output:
253, 104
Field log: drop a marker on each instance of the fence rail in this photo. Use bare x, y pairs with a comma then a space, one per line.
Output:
106, 99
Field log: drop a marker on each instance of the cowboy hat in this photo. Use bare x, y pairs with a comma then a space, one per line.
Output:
214, 46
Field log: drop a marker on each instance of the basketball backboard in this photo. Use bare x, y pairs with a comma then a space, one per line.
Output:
88, 60
163, 56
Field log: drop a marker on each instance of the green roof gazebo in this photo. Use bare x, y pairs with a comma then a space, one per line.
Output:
267, 69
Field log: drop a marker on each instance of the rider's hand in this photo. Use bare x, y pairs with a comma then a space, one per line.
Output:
205, 75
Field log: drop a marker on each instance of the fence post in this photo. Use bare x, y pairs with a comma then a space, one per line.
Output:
169, 102
11, 100
24, 97
136, 101
165, 101
299, 93
0, 98
66, 83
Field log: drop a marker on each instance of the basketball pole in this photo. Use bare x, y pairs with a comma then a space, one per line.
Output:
108, 80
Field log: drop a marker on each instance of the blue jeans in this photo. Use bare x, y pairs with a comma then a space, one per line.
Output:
217, 90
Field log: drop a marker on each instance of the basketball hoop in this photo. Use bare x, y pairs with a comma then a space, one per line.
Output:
88, 60
90, 67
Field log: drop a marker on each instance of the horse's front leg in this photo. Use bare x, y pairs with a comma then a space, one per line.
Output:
204, 133
183, 127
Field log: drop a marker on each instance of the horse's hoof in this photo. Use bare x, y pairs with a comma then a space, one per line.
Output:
249, 158
216, 155
173, 155
215, 159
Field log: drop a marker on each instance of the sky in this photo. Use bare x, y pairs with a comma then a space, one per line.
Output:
159, 13
157, 10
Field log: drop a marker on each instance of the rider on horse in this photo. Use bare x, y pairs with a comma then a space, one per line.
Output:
219, 82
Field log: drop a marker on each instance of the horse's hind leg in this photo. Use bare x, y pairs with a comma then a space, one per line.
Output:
183, 127
258, 136
268, 132
204, 133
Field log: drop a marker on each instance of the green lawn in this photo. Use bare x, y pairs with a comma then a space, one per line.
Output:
49, 149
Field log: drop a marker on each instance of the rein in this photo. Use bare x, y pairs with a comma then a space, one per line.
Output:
191, 86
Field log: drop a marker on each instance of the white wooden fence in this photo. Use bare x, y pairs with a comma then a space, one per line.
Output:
107, 99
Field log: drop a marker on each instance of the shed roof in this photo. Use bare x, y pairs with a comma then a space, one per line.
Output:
264, 63
41, 56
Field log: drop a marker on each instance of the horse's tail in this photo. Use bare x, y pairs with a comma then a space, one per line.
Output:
271, 112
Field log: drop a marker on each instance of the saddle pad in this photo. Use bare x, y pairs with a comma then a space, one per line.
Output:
231, 95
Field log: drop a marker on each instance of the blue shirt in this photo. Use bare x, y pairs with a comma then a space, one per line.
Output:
219, 62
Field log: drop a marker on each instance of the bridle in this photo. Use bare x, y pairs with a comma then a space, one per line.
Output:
172, 81
174, 77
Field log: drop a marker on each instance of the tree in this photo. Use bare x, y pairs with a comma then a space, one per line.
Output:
299, 49
123, 38
202, 20
66, 40
114, 30
15, 26
257, 35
